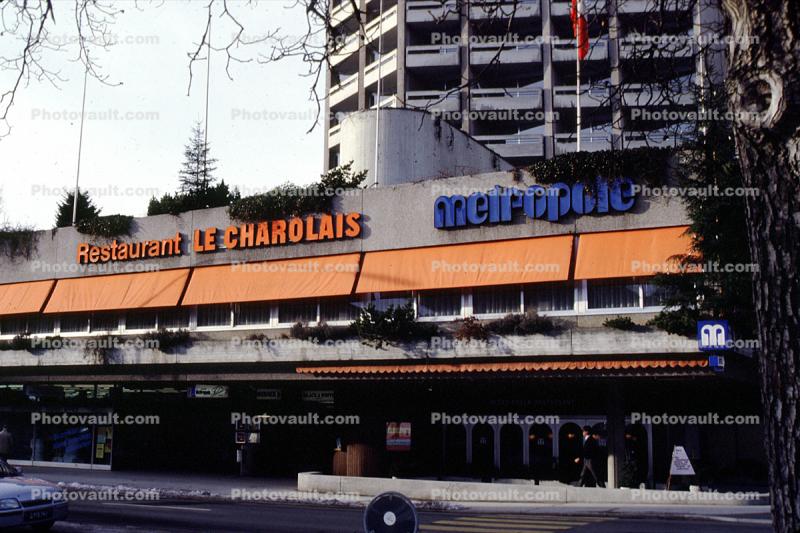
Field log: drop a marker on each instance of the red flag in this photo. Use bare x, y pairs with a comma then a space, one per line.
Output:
580, 28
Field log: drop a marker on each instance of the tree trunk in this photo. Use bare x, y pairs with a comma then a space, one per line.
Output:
763, 85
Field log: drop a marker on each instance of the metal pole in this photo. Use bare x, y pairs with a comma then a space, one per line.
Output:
205, 127
579, 13
80, 148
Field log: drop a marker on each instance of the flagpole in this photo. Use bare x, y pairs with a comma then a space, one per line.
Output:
80, 148
579, 14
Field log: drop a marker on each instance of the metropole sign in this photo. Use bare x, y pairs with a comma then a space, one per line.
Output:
537, 202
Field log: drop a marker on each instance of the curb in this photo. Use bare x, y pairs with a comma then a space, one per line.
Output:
437, 506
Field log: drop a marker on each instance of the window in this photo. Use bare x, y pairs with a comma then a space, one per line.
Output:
252, 314
439, 303
613, 294
655, 295
41, 324
174, 318
338, 309
213, 315
74, 324
104, 322
293, 312
12, 326
141, 320
549, 297
382, 301
496, 300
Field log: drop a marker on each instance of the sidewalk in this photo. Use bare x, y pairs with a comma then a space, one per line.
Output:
181, 485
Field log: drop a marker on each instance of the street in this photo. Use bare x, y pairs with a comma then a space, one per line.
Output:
180, 515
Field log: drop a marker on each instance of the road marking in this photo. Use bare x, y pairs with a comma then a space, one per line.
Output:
174, 507
463, 529
553, 524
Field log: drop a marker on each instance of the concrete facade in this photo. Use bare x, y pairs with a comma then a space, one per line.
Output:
394, 217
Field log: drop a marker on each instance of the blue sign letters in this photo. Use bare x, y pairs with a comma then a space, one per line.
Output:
550, 203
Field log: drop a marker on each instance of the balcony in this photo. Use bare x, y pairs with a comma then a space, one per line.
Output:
442, 101
504, 9
656, 46
431, 11
350, 43
333, 135
432, 55
388, 101
654, 139
383, 25
387, 64
348, 48
561, 8
342, 12
514, 146
504, 53
590, 142
653, 6
344, 89
503, 99
643, 95
591, 96
565, 50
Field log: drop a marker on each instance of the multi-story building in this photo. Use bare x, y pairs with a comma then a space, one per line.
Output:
193, 319
504, 71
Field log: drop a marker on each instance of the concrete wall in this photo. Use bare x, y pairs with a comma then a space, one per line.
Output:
398, 216
237, 347
413, 146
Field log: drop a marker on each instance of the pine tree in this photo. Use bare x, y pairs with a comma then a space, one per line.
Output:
197, 172
86, 209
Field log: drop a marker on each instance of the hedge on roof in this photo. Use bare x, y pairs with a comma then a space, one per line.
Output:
17, 241
293, 200
642, 165
106, 226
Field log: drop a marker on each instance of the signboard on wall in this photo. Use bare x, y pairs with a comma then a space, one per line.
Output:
318, 396
207, 391
551, 203
398, 436
293, 230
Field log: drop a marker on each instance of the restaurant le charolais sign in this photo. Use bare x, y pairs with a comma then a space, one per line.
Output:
313, 228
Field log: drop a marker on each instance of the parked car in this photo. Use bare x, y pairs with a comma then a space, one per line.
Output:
28, 501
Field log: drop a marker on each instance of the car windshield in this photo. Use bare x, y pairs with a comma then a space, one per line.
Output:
6, 469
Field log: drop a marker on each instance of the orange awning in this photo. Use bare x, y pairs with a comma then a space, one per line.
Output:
516, 366
467, 265
285, 279
120, 291
632, 253
29, 297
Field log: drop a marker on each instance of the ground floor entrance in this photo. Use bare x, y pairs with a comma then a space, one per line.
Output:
462, 427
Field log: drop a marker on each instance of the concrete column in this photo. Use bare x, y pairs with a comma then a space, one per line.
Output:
496, 435
549, 82
555, 430
615, 426
617, 117
362, 56
466, 74
526, 448
468, 428
401, 52
650, 476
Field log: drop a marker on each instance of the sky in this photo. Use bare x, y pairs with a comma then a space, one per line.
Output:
137, 124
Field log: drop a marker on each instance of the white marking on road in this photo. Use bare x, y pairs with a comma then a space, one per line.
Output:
175, 507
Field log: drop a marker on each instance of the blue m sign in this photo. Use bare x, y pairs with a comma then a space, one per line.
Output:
713, 334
